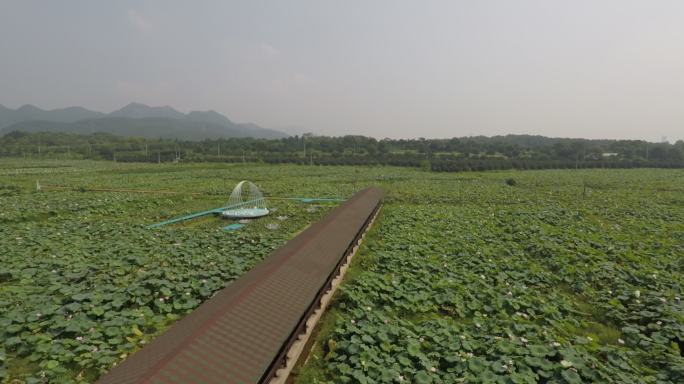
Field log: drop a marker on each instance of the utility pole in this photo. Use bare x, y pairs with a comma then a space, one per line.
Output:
158, 157
243, 156
219, 150
355, 177
146, 150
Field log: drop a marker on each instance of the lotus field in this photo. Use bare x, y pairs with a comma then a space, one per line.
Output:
566, 277
501, 277
84, 282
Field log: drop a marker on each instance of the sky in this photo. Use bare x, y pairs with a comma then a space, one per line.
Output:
398, 69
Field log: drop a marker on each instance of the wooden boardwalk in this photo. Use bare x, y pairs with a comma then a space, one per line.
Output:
241, 335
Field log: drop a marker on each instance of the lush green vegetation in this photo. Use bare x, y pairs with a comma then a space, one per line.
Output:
563, 277
457, 154
83, 282
551, 276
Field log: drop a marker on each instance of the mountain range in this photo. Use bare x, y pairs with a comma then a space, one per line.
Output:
134, 119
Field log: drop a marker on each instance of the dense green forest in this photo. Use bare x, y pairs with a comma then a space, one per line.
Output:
456, 154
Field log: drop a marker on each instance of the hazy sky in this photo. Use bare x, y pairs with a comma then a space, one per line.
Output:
571, 68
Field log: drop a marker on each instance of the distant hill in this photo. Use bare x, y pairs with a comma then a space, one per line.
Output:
138, 111
210, 117
30, 112
148, 127
134, 119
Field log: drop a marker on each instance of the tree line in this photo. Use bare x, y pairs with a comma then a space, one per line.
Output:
446, 155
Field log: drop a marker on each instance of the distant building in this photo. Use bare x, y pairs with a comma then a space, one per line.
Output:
609, 154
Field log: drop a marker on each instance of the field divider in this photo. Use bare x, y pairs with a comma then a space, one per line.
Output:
166, 192
124, 190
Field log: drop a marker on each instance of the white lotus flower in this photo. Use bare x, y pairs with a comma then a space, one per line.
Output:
566, 364
620, 341
637, 293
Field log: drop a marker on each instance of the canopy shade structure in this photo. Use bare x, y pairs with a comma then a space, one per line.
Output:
246, 202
